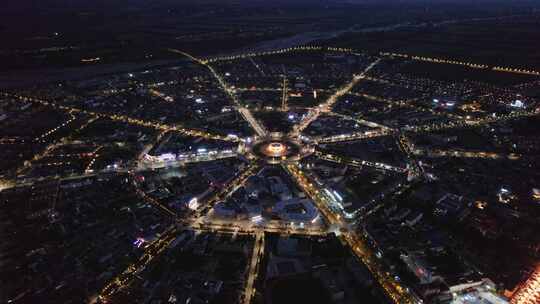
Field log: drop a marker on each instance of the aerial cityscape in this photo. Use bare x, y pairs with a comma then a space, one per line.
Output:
257, 153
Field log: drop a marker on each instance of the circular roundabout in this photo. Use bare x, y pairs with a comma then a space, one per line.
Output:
278, 149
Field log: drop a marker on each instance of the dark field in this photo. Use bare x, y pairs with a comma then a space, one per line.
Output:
453, 73
506, 42
60, 34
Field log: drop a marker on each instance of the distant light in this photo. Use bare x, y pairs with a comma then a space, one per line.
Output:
517, 104
139, 242
536, 193
166, 157
193, 204
256, 218
338, 196
131, 75
328, 193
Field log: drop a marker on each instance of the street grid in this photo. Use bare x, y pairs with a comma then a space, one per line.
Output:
357, 243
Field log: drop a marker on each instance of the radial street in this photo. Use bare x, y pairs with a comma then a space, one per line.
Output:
393, 289
314, 113
258, 252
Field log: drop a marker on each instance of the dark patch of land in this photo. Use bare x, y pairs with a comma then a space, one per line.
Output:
62, 33
506, 41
